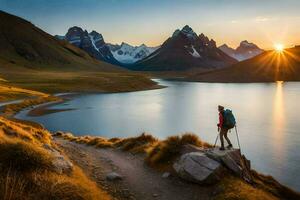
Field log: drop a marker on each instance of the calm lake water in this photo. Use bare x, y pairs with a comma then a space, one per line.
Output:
268, 118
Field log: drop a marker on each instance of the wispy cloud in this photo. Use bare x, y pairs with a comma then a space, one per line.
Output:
261, 19
234, 21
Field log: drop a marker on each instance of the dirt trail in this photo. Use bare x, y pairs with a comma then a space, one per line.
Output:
139, 181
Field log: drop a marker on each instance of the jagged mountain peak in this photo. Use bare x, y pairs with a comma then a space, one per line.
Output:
244, 51
93, 43
75, 28
185, 50
189, 32
245, 43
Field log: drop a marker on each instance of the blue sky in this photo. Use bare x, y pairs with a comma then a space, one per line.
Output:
264, 22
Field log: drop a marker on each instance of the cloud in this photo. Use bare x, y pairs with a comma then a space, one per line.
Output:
261, 19
234, 21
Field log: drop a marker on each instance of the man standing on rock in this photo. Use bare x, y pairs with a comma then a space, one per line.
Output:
223, 129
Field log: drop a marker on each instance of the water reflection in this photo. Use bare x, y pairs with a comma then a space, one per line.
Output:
278, 122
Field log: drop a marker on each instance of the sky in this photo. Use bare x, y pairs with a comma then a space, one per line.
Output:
264, 22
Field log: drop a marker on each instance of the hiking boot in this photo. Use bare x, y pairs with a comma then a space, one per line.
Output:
221, 148
229, 146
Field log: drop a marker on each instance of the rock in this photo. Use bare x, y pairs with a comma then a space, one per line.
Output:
188, 148
113, 176
60, 163
58, 133
166, 175
234, 161
155, 195
197, 167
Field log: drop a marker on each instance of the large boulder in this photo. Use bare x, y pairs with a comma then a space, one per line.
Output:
198, 168
233, 160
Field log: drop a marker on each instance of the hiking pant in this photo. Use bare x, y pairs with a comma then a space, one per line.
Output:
223, 133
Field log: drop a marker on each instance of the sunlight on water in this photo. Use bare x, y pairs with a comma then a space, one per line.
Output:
278, 122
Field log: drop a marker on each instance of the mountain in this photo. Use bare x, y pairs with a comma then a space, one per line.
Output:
93, 43
185, 50
244, 51
127, 54
31, 58
269, 66
23, 44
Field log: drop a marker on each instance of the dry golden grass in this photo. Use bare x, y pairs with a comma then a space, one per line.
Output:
268, 183
12, 109
234, 188
12, 93
164, 152
157, 152
21, 156
26, 168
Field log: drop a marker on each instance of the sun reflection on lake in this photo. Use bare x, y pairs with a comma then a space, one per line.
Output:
278, 120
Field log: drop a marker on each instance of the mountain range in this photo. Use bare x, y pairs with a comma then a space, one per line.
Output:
128, 54
28, 54
185, 50
269, 66
33, 59
93, 43
244, 51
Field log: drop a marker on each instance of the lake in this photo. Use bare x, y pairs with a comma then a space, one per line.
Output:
267, 116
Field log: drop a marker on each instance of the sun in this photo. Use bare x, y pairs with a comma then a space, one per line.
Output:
279, 47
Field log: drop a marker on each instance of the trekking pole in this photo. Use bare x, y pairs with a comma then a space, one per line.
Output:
216, 140
237, 136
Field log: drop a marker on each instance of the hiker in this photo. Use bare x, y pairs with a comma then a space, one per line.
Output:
223, 128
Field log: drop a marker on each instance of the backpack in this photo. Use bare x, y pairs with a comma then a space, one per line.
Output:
229, 119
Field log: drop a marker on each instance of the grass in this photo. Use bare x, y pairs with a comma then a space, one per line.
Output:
233, 188
26, 168
8, 93
58, 80
14, 108
21, 156
164, 152
158, 153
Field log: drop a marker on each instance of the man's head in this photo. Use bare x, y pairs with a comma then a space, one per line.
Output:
220, 108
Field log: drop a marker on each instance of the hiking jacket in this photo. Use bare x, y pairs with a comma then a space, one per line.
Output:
221, 120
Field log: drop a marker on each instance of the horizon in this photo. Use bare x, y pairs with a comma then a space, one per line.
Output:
228, 24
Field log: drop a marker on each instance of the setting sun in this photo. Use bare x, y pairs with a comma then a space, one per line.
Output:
279, 47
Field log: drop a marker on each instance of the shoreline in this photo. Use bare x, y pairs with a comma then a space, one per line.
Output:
40, 108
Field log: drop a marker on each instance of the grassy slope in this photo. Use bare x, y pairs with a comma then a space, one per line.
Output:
33, 59
26, 170
267, 67
8, 93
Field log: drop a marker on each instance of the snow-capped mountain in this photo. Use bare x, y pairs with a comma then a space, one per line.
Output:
93, 43
185, 50
244, 51
128, 54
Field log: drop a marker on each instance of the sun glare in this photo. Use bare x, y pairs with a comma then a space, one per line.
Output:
279, 47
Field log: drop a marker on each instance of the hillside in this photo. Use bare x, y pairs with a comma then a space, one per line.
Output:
33, 59
185, 50
269, 66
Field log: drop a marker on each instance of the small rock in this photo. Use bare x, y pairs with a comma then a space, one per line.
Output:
60, 163
155, 195
113, 176
166, 175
